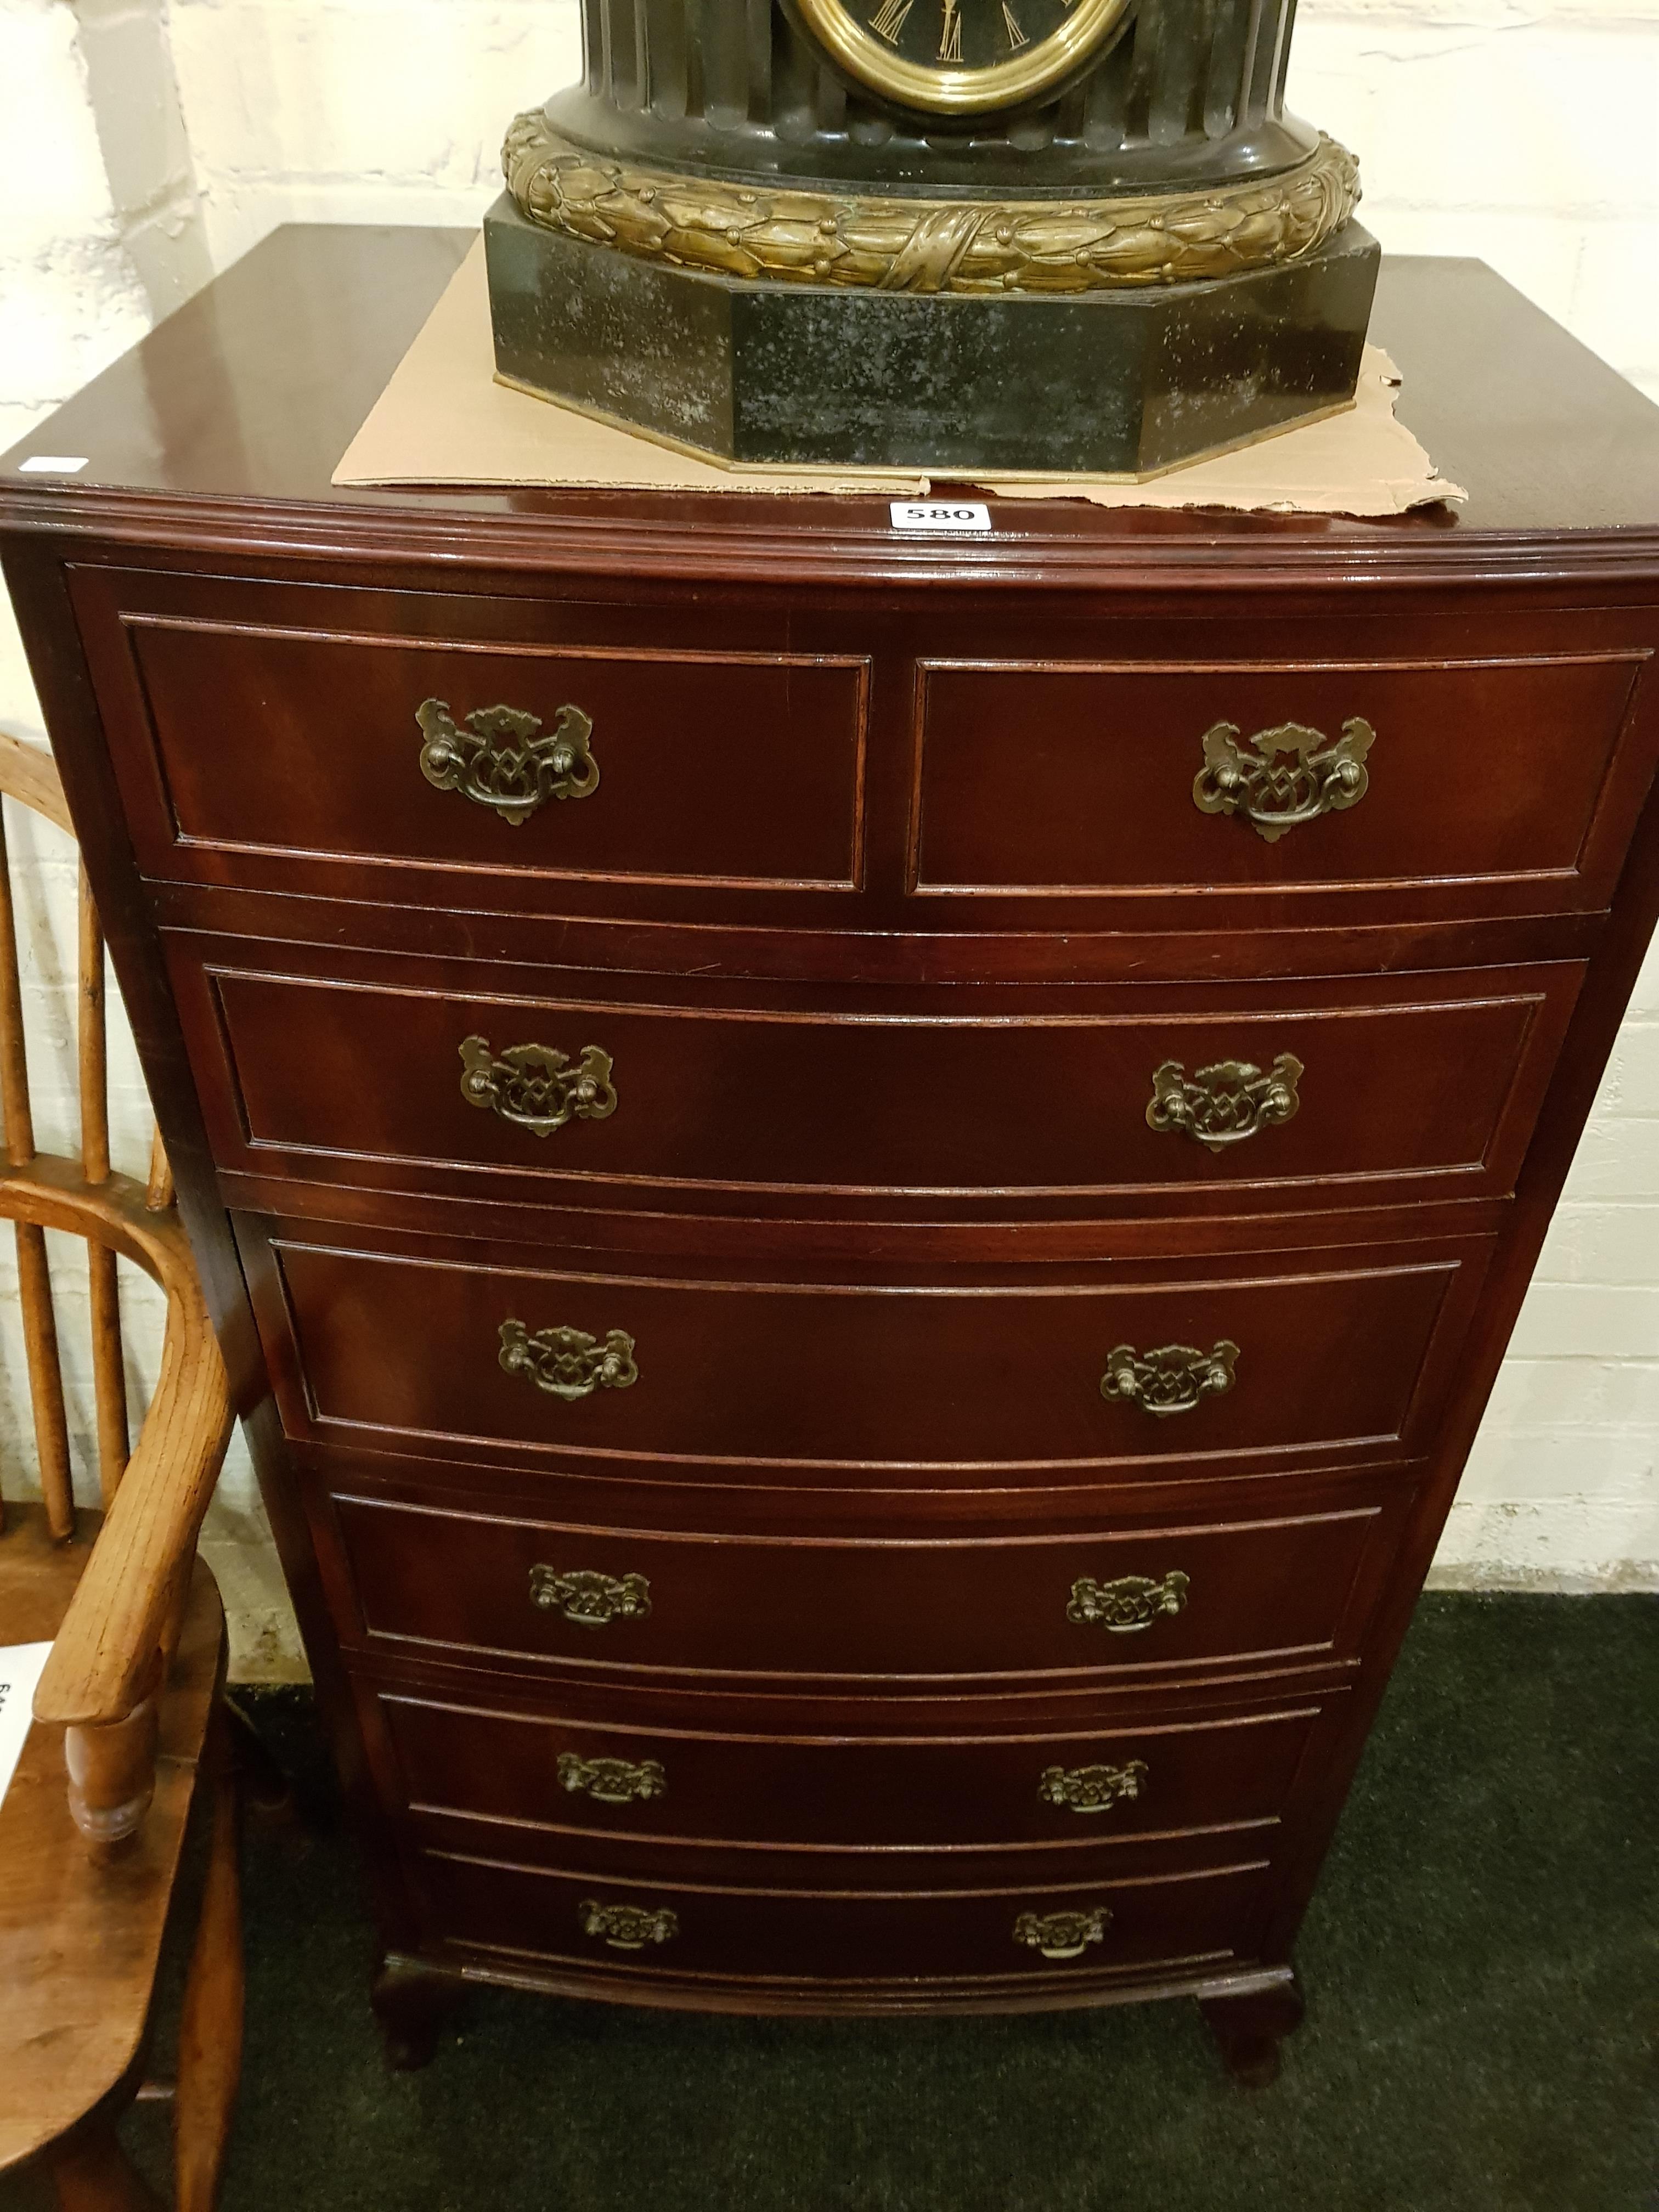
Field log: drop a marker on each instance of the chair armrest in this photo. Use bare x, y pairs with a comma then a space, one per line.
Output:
106, 1645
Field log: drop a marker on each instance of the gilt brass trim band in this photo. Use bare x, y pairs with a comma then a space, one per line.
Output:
892, 245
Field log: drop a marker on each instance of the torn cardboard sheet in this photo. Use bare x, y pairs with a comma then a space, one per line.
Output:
443, 419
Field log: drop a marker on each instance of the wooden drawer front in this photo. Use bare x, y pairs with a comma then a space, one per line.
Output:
1335, 1357
1122, 1601
238, 737
1418, 1086
1065, 780
1082, 1788
764, 1934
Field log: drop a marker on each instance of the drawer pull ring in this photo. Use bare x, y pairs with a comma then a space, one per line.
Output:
1283, 776
1130, 1603
612, 1781
535, 1087
628, 1927
589, 1599
568, 1363
498, 759
1062, 1934
1091, 1789
1224, 1104
1170, 1380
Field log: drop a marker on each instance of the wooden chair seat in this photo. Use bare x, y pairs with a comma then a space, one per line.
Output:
80, 1938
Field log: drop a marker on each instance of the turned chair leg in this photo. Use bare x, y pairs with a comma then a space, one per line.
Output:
1249, 2030
210, 2027
411, 2004
91, 2172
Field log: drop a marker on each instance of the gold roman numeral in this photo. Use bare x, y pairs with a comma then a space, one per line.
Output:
949, 37
889, 19
1016, 36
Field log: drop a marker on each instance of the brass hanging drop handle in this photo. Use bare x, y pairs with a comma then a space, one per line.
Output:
568, 1363
612, 1781
1283, 776
587, 1599
1129, 1604
500, 757
628, 1927
1063, 1935
1091, 1789
535, 1087
1170, 1380
1225, 1104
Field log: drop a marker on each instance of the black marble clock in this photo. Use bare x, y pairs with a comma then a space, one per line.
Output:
1026, 235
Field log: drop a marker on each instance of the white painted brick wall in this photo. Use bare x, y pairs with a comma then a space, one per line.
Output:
150, 142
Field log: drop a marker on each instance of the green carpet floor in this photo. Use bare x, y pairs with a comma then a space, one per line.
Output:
1481, 1971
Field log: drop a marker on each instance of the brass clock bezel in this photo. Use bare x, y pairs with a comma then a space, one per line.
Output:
963, 91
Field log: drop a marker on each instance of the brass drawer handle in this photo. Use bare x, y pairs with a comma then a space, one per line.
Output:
1091, 1789
1170, 1380
568, 1363
1224, 1104
1132, 1602
1283, 776
1063, 1935
589, 1599
535, 1087
498, 759
628, 1927
613, 1781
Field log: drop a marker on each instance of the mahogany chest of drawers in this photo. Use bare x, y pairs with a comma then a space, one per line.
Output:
862, 1195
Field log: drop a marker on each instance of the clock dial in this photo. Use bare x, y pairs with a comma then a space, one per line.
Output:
961, 56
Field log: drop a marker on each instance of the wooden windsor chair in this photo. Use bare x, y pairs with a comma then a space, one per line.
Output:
127, 1712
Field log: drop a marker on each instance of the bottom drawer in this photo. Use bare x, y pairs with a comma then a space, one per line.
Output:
1207, 1921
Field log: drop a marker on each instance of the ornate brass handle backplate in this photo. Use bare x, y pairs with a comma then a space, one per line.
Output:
1132, 1602
536, 1087
1063, 1935
588, 1600
1224, 1104
1091, 1789
1170, 1380
499, 758
612, 1781
1283, 776
628, 1927
568, 1363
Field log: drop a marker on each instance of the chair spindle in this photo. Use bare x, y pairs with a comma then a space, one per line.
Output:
34, 1276
108, 1360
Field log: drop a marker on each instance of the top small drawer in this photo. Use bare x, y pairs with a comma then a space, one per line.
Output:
413, 731
1508, 783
